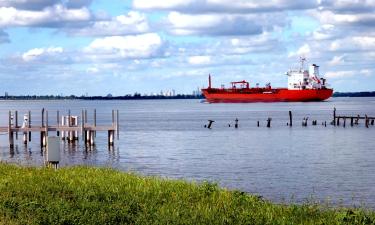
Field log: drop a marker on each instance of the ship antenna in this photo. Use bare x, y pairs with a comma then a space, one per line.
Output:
302, 59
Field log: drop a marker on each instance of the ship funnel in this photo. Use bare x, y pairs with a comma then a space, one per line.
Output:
209, 81
314, 70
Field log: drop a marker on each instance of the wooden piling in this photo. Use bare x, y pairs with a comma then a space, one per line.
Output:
69, 118
46, 128
83, 133
29, 118
334, 116
10, 132
269, 122
95, 121
357, 120
117, 125
110, 137
210, 124
43, 117
92, 138
290, 119
25, 138
351, 121
366, 121
58, 122
16, 122
338, 121
344, 122
236, 123
258, 123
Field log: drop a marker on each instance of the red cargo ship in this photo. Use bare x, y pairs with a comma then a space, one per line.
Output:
303, 85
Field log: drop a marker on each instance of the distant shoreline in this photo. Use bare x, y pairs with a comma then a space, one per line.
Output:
156, 97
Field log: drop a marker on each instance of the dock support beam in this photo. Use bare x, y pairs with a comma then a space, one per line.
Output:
111, 137
334, 116
10, 132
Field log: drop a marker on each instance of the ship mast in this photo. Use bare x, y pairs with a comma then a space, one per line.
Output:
209, 80
302, 59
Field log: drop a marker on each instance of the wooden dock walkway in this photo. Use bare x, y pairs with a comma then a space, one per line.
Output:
354, 120
68, 127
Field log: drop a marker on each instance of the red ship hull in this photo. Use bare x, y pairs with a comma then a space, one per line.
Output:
244, 95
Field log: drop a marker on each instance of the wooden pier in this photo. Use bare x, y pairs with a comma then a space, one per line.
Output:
68, 127
354, 120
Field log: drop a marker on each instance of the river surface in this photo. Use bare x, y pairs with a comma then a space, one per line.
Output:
167, 138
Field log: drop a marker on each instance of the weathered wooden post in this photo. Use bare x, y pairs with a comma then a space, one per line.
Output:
25, 124
269, 122
344, 121
58, 123
338, 121
42, 135
334, 116
118, 125
92, 138
258, 123
63, 123
351, 121
210, 124
372, 122
95, 121
290, 119
46, 129
110, 137
236, 123
366, 121
357, 120
16, 122
10, 132
83, 133
29, 118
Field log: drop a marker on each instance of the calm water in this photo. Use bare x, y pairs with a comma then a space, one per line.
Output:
167, 138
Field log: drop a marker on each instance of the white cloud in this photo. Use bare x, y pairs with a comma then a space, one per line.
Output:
340, 74
131, 23
38, 53
53, 16
199, 60
132, 46
354, 18
348, 73
214, 24
165, 4
337, 60
356, 43
304, 50
235, 6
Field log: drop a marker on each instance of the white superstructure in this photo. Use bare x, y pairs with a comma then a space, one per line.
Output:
299, 79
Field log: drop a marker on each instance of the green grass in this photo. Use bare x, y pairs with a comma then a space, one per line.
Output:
84, 195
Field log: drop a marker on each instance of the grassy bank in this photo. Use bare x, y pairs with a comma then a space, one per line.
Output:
82, 195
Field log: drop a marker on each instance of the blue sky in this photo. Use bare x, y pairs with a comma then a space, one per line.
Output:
125, 46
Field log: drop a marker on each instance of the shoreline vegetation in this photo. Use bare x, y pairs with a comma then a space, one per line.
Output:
89, 195
138, 96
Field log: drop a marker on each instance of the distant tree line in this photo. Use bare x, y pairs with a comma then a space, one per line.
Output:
139, 96
108, 97
355, 94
